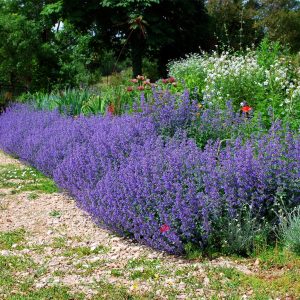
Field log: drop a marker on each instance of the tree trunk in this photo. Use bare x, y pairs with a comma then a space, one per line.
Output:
137, 51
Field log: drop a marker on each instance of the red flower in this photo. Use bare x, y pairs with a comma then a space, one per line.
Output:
164, 81
172, 79
164, 228
111, 109
246, 108
140, 88
129, 89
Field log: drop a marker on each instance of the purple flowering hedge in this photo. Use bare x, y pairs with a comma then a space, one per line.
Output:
143, 176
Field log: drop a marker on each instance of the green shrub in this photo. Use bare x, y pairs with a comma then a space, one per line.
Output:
289, 230
245, 234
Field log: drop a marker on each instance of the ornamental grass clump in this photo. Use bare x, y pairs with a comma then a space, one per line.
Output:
143, 176
289, 229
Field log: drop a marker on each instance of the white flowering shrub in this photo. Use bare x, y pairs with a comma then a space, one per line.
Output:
243, 77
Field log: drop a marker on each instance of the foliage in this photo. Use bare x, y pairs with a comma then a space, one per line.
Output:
8, 239
289, 229
18, 55
264, 79
244, 234
71, 102
65, 44
137, 28
25, 179
150, 68
223, 125
114, 98
41, 50
75, 54
234, 23
281, 21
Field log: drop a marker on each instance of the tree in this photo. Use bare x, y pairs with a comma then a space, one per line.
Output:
39, 53
74, 53
18, 59
280, 19
177, 28
234, 22
26, 56
164, 28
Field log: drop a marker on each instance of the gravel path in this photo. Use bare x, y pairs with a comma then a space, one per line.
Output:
54, 225
69, 250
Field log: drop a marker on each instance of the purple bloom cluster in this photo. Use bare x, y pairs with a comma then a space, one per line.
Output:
214, 123
167, 111
164, 192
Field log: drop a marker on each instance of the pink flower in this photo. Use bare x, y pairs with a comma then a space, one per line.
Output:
111, 109
140, 88
164, 228
147, 82
140, 77
134, 80
129, 89
165, 81
171, 79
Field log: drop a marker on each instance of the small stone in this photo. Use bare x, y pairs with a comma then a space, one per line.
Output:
222, 295
94, 246
200, 292
4, 252
25, 251
56, 280
94, 259
40, 285
206, 281
115, 239
181, 286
